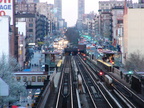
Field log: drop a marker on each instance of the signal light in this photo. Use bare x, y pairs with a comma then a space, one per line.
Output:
84, 58
101, 73
130, 72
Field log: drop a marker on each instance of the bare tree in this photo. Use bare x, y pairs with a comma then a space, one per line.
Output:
72, 35
135, 62
7, 66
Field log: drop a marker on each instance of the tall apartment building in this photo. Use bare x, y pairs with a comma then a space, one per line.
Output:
36, 24
26, 12
107, 5
58, 8
81, 12
47, 10
24, 8
89, 24
43, 9
109, 12
117, 20
81, 9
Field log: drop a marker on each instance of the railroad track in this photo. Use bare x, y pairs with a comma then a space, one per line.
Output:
123, 94
96, 91
74, 85
65, 92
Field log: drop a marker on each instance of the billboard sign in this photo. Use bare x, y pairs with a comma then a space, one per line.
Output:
6, 8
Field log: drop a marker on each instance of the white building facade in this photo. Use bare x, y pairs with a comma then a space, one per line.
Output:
133, 31
4, 35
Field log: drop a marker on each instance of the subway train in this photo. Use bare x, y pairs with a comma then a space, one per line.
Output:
31, 78
104, 66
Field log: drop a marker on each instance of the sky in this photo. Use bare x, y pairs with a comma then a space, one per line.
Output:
69, 9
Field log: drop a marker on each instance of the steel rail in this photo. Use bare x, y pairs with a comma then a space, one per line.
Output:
90, 72
65, 86
59, 91
71, 85
89, 92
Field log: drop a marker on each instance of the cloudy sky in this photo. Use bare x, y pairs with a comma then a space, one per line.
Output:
69, 9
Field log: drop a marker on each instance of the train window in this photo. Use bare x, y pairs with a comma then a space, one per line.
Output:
29, 79
24, 78
13, 78
33, 78
18, 78
43, 78
39, 79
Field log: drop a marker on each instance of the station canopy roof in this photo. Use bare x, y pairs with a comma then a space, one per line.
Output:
109, 52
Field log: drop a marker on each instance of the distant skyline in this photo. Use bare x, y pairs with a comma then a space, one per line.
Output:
69, 9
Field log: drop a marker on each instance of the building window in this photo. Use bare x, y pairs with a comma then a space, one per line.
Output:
39, 79
31, 20
31, 35
30, 25
33, 78
30, 30
28, 79
120, 21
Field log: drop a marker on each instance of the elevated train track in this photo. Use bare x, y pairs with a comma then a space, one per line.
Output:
99, 98
66, 96
126, 96
66, 93
99, 91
